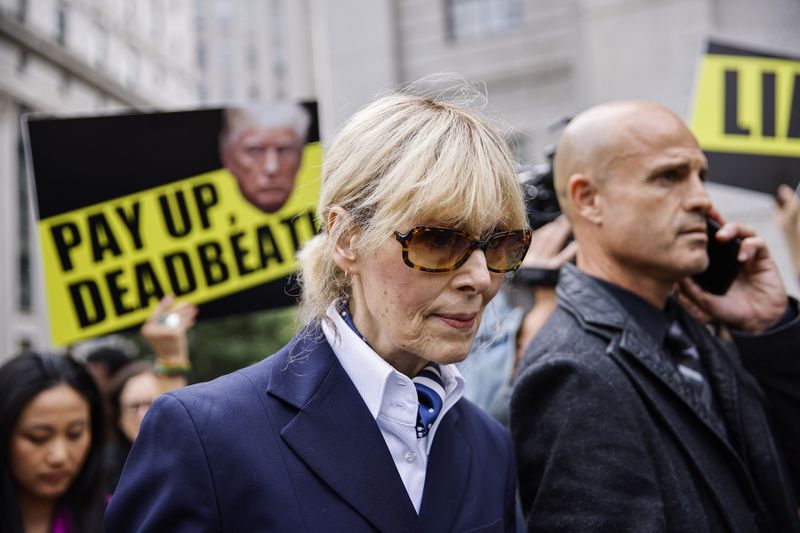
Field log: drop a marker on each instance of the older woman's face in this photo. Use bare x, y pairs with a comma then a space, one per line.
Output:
50, 442
410, 317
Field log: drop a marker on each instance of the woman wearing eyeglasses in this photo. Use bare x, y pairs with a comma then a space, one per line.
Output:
358, 424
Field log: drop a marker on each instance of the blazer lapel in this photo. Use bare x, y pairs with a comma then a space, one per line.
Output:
335, 435
447, 475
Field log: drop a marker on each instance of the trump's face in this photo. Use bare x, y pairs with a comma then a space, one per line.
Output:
265, 162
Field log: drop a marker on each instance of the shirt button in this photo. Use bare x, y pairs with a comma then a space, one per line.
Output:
410, 456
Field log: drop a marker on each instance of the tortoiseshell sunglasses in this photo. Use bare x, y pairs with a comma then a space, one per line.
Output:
434, 249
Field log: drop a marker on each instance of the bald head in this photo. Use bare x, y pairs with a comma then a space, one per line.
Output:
631, 178
604, 134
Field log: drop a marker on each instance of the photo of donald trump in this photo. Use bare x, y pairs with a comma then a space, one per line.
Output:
262, 146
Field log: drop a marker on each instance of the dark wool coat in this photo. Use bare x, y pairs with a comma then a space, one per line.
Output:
609, 438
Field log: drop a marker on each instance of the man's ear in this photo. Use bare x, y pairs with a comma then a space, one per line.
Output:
584, 194
344, 253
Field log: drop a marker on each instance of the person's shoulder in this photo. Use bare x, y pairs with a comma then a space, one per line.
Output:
474, 421
230, 391
562, 336
240, 388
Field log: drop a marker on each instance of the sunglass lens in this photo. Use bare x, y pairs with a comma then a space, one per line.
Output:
437, 248
505, 251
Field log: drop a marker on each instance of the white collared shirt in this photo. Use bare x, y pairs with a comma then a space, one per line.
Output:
392, 400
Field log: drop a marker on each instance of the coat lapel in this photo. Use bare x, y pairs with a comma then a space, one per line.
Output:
599, 312
335, 435
447, 475
655, 359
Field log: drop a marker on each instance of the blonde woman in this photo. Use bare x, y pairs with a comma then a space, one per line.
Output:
358, 424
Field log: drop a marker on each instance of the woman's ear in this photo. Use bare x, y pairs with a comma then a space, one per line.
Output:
585, 196
344, 252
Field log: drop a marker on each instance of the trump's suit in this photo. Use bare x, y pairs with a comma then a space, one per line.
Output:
289, 445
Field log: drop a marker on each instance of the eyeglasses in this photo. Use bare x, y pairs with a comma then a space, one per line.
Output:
133, 408
434, 249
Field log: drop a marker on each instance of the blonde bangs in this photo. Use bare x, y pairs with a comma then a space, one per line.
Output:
449, 169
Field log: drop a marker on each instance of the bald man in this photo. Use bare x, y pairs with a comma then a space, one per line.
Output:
627, 414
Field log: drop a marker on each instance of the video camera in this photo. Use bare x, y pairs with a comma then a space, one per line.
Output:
541, 201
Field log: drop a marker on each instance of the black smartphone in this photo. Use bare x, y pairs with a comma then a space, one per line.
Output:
723, 267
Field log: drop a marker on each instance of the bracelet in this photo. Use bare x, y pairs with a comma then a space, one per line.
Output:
168, 368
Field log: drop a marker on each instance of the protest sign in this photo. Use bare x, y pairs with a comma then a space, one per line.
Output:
746, 116
210, 205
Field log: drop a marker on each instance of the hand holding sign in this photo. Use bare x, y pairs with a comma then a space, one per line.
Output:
166, 328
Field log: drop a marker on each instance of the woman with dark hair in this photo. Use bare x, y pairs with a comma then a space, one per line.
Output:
51, 434
132, 391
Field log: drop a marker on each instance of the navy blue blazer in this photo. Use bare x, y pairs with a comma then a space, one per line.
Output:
289, 445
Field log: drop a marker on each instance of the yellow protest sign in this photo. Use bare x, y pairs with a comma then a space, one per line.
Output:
108, 263
747, 103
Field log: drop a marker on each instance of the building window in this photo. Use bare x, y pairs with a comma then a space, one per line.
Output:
279, 51
25, 286
201, 56
156, 19
61, 14
479, 18
253, 93
66, 81
22, 63
101, 46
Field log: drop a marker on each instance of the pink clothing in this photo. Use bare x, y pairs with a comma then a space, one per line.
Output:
62, 522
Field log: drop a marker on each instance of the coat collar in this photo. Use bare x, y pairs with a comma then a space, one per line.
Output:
600, 312
335, 435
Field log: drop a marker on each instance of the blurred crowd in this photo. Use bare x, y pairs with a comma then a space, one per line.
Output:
68, 425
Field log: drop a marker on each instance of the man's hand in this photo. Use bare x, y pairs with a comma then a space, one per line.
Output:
757, 298
547, 248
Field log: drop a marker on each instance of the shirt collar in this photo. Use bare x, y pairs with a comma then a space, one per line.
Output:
370, 373
650, 318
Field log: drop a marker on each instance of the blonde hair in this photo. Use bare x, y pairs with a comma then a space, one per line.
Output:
407, 159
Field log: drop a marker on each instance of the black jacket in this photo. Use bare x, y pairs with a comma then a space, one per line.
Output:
608, 438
